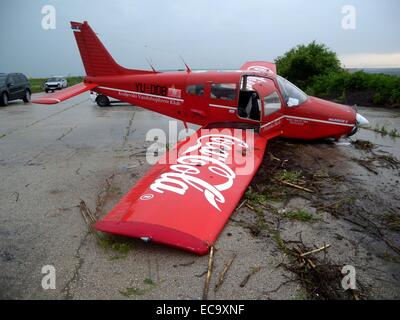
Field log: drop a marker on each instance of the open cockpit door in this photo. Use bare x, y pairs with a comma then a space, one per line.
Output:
271, 107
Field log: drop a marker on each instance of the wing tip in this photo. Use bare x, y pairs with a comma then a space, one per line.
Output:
46, 101
156, 233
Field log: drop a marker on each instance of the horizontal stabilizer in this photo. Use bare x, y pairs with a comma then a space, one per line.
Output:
65, 94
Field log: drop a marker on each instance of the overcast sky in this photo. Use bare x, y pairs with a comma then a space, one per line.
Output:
208, 33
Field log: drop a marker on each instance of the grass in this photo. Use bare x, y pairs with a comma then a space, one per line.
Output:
131, 291
381, 130
128, 292
392, 221
288, 176
120, 246
255, 197
394, 133
275, 235
299, 215
37, 83
149, 282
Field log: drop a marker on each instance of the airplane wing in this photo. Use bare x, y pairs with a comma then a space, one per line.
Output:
187, 197
64, 94
260, 66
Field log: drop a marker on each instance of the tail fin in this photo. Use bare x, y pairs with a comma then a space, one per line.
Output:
95, 57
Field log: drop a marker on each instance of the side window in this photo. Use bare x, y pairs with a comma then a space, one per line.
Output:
21, 78
272, 103
224, 91
13, 79
196, 89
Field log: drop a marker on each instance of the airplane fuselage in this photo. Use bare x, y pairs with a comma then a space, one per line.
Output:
219, 98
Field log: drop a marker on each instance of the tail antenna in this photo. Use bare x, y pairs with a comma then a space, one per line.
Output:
151, 66
188, 70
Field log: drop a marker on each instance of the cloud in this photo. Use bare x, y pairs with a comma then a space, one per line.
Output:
371, 60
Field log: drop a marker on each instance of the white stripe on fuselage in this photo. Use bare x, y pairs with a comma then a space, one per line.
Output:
309, 119
140, 93
232, 108
222, 107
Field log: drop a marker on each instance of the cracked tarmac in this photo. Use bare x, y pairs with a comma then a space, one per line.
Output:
54, 157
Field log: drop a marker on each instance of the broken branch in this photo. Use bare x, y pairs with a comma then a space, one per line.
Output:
315, 251
221, 277
295, 186
247, 278
210, 269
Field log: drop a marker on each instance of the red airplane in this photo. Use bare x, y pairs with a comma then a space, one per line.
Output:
186, 198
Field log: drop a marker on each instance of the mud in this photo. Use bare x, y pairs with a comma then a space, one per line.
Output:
62, 167
351, 202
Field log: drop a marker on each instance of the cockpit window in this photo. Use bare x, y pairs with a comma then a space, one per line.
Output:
292, 95
224, 91
272, 103
196, 89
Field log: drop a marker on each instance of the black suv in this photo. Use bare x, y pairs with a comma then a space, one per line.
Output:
14, 86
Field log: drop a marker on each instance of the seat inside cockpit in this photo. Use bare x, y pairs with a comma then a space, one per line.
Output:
249, 106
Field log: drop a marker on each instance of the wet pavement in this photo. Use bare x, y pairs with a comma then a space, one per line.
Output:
54, 158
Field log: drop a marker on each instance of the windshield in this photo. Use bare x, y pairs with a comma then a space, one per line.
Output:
292, 95
2, 78
54, 80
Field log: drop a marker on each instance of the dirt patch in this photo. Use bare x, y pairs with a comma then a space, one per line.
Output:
307, 195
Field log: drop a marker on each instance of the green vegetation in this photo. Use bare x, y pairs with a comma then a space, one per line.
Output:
120, 246
37, 83
394, 133
288, 176
316, 69
255, 197
392, 221
299, 215
128, 292
358, 88
149, 281
303, 63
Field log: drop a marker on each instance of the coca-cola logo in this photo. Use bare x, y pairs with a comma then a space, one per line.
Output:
187, 172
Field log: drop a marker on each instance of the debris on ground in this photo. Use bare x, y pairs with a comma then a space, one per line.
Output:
249, 275
209, 273
326, 195
221, 277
